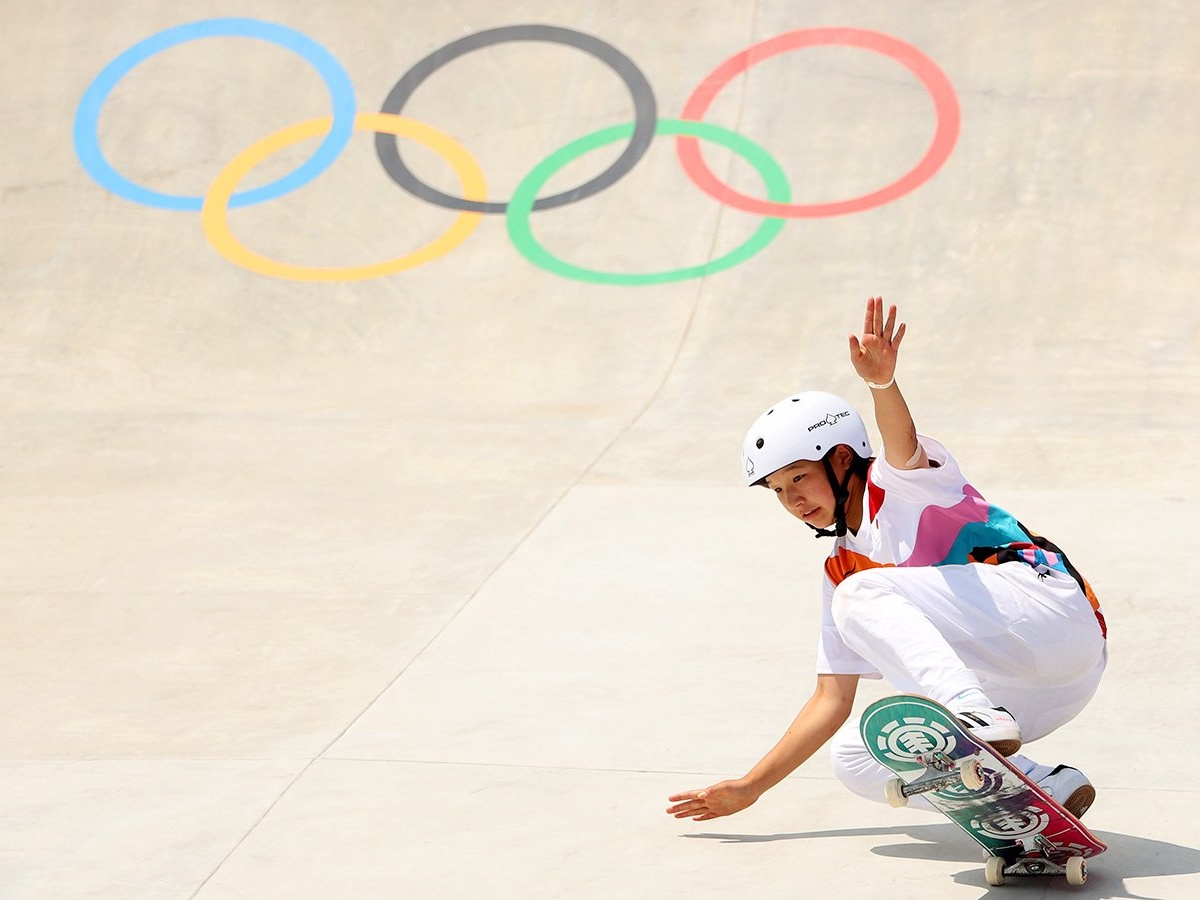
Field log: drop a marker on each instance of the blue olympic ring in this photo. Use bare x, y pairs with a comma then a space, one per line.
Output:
341, 91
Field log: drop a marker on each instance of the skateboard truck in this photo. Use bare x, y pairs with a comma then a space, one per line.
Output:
941, 772
1017, 860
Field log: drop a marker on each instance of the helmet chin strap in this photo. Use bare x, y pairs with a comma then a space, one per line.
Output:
841, 494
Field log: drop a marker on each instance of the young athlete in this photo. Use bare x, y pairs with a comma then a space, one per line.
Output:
928, 586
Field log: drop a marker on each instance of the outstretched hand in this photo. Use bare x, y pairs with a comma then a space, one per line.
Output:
874, 354
722, 799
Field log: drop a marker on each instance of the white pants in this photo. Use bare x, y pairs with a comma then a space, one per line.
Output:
1031, 643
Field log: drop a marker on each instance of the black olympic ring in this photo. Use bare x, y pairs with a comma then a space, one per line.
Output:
644, 106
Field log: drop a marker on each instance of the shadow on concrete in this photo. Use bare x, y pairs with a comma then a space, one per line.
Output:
1128, 857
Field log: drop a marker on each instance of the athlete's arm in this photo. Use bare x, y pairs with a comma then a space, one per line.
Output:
824, 713
874, 359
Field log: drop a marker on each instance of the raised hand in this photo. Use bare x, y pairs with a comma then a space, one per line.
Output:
874, 354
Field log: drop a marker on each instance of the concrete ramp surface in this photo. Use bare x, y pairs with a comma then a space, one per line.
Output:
372, 383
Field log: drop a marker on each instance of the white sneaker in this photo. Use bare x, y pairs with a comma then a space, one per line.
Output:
996, 726
1071, 788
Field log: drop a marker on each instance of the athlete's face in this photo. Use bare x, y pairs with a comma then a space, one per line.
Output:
803, 488
804, 491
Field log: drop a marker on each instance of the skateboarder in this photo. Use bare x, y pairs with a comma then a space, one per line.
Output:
927, 585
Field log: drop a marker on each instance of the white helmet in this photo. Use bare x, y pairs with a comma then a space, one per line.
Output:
803, 426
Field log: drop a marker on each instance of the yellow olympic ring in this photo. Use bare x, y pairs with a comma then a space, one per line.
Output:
214, 213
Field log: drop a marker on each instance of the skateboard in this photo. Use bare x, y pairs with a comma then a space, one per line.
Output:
1022, 830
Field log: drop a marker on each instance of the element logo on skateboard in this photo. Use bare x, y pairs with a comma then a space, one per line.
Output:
1013, 825
908, 739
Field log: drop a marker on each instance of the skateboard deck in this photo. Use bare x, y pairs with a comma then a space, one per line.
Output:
1023, 830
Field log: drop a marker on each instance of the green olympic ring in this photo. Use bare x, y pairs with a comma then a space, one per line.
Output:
521, 204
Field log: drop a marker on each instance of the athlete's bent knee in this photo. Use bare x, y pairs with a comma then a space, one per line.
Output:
854, 768
850, 596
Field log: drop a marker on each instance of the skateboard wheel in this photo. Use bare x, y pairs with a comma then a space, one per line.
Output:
893, 790
972, 775
994, 872
1076, 870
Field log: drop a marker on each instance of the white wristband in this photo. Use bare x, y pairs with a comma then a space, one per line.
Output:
881, 387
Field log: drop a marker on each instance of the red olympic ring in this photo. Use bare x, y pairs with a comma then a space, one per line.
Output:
940, 90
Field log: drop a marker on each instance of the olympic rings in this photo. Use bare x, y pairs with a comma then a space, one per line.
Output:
337, 129
919, 64
216, 224
87, 117
644, 111
522, 203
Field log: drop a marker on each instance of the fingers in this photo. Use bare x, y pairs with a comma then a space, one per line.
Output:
690, 805
873, 319
876, 325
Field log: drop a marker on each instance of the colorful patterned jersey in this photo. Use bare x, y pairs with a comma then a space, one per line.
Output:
932, 517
